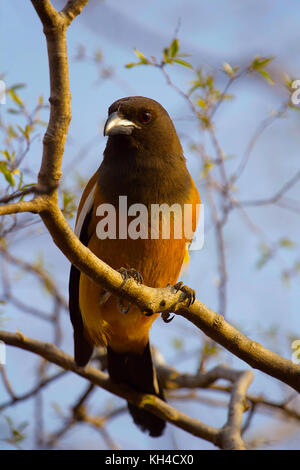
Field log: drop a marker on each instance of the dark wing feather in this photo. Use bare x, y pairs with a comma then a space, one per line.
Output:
82, 348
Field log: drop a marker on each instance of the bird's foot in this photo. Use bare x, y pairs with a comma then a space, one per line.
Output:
190, 294
167, 317
130, 273
148, 312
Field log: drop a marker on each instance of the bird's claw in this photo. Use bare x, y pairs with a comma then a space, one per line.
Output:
130, 273
166, 317
148, 312
190, 294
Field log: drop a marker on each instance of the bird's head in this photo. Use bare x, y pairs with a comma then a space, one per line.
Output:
142, 123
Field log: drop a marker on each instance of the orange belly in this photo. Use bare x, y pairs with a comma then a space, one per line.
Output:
158, 261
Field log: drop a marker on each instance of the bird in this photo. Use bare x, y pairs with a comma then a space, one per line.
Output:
143, 161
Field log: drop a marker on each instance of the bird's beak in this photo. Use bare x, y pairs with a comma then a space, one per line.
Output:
115, 124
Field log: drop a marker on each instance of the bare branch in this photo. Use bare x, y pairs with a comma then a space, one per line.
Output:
148, 402
7, 383
21, 206
47, 13
17, 194
238, 404
246, 349
278, 195
72, 9
41, 274
262, 127
43, 383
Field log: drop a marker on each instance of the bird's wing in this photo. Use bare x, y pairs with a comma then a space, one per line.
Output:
193, 199
82, 348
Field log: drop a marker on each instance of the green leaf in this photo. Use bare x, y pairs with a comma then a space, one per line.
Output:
18, 86
131, 64
286, 243
166, 56
260, 62
69, 205
11, 132
17, 434
98, 56
199, 83
266, 76
202, 103
208, 166
7, 173
266, 255
26, 131
210, 81
228, 96
174, 48
183, 62
6, 154
194, 88
210, 349
28, 185
20, 181
141, 56
15, 97
205, 121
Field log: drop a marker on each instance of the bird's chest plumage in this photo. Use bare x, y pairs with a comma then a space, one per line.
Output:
145, 180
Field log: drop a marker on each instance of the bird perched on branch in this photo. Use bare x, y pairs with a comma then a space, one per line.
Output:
143, 160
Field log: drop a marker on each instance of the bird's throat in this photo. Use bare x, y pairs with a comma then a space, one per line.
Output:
145, 179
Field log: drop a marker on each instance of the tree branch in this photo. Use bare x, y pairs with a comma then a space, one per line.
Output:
148, 402
257, 356
21, 206
232, 430
72, 9
46, 12
43, 383
55, 26
278, 195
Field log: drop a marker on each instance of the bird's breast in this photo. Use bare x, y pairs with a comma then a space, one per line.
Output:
155, 183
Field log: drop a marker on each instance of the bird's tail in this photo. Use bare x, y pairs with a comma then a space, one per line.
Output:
138, 371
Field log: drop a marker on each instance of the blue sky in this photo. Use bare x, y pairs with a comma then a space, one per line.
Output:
213, 32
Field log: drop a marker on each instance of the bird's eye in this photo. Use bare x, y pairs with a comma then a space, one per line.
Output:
145, 117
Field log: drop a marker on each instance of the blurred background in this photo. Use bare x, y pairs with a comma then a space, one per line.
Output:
248, 270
